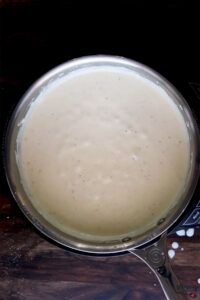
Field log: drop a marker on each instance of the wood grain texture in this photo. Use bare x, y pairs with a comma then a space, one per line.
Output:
31, 267
38, 35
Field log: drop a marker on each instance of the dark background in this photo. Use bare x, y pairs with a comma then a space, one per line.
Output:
37, 35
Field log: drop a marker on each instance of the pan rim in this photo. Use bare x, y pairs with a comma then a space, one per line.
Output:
119, 245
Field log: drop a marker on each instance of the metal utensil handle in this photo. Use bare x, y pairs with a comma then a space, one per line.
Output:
157, 260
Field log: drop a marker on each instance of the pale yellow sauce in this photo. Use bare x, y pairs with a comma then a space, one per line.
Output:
103, 152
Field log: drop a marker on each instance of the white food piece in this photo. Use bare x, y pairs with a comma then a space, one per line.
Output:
190, 232
171, 253
181, 232
175, 245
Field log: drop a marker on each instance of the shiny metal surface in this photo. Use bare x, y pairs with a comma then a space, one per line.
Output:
155, 256
121, 244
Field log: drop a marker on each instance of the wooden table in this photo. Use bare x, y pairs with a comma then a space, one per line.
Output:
34, 37
31, 267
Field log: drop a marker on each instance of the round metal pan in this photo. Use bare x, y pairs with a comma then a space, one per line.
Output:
154, 254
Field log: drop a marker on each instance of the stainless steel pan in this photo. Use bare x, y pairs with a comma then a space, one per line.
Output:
144, 245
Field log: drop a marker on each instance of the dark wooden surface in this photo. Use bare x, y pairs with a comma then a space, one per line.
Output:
36, 36
31, 267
